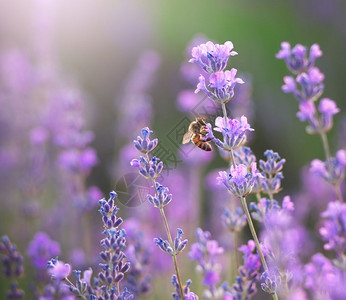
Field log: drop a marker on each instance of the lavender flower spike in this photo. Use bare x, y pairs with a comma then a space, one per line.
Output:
12, 261
245, 285
332, 170
178, 244
296, 59
240, 181
205, 252
41, 249
212, 57
58, 269
114, 264
328, 109
188, 295
233, 131
221, 85
144, 144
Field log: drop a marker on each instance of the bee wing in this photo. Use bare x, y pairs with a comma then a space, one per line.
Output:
187, 137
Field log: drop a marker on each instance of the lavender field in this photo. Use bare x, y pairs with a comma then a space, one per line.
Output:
172, 150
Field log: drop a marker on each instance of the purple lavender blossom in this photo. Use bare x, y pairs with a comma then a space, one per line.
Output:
311, 85
41, 249
296, 59
245, 285
307, 112
334, 229
233, 132
178, 244
139, 256
270, 182
266, 206
188, 295
212, 57
58, 269
14, 293
114, 264
221, 85
12, 260
240, 180
234, 220
143, 143
205, 251
282, 239
333, 170
328, 109
323, 279
151, 169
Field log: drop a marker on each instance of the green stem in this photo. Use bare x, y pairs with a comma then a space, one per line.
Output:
168, 232
235, 248
254, 236
174, 256
71, 284
233, 158
325, 145
223, 105
253, 233
338, 192
118, 289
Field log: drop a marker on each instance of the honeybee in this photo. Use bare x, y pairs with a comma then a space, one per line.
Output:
196, 132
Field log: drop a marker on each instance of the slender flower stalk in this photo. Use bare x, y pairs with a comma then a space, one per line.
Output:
241, 179
205, 251
151, 168
310, 80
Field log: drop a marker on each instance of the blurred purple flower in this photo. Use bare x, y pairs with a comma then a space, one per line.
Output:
328, 109
205, 251
41, 249
58, 269
296, 59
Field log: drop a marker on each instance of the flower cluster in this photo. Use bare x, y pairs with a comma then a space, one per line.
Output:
41, 249
240, 180
138, 254
114, 264
265, 206
76, 158
323, 279
270, 182
245, 285
296, 59
188, 295
178, 244
332, 170
12, 261
311, 88
333, 230
205, 251
151, 169
233, 132
234, 221
213, 59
